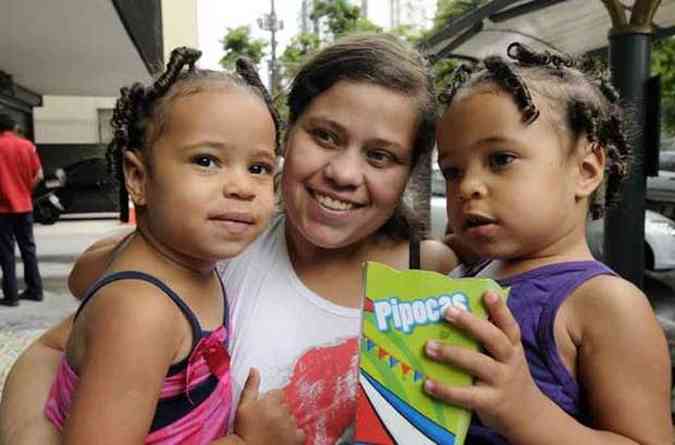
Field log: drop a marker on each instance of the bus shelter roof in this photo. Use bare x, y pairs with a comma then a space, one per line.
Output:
570, 26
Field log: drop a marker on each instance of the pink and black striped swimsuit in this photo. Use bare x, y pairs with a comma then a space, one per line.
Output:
195, 402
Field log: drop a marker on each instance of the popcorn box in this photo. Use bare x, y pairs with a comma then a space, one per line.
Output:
401, 312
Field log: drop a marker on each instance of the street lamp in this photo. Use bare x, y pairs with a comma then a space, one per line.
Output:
269, 22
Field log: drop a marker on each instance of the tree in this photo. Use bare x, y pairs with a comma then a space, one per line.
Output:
238, 42
446, 10
301, 46
663, 64
341, 17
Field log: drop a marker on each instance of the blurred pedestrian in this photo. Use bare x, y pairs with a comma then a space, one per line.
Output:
20, 171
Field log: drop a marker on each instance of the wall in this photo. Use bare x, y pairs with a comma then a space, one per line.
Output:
69, 119
179, 24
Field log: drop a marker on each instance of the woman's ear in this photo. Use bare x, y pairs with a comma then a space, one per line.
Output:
135, 176
591, 164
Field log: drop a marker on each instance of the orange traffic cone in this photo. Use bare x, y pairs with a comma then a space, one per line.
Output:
132, 212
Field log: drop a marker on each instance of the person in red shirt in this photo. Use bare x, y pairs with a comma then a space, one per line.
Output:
20, 171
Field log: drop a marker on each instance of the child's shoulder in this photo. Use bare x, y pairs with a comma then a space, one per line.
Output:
128, 320
130, 304
608, 302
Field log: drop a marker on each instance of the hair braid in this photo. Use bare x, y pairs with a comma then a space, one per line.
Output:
456, 80
134, 107
512, 82
180, 57
247, 71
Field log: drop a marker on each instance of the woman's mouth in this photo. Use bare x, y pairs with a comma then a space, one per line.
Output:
333, 204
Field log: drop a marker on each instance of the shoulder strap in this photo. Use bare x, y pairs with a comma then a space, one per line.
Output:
414, 256
137, 275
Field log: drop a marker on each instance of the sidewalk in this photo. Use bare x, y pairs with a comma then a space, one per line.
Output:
58, 246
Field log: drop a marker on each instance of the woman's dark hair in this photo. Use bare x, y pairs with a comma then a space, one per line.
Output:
140, 115
577, 92
379, 59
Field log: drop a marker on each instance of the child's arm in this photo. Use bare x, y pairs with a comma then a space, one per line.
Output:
622, 364
93, 262
125, 340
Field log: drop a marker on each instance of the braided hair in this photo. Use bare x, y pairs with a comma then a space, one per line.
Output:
577, 91
139, 117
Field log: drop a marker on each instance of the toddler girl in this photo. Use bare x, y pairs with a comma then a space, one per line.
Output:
577, 356
147, 358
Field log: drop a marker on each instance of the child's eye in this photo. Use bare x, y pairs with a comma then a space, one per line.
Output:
205, 161
261, 168
501, 160
379, 158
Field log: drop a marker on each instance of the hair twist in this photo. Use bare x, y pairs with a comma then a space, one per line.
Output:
247, 71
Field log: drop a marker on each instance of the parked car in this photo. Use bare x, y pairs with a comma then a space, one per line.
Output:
661, 193
659, 230
667, 160
84, 185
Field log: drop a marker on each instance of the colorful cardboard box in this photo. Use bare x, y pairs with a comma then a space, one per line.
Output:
402, 310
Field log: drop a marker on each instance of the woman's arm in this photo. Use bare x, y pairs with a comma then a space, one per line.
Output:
22, 419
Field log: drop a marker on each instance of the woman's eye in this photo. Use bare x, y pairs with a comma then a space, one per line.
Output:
501, 160
324, 136
261, 169
379, 157
205, 161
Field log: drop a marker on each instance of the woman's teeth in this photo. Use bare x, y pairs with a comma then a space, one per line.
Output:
333, 204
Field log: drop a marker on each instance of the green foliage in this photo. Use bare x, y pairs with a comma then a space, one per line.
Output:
663, 63
238, 42
302, 45
408, 33
449, 9
341, 17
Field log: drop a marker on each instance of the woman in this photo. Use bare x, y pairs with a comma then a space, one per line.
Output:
362, 114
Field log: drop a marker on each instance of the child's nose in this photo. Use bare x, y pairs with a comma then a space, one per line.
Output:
238, 185
345, 168
471, 186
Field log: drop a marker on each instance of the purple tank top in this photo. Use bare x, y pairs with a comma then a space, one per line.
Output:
534, 300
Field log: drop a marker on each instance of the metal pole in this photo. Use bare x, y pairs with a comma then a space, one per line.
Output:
629, 57
273, 21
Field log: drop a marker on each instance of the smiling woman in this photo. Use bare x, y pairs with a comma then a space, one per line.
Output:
345, 172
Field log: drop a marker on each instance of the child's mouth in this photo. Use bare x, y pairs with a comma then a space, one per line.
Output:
478, 224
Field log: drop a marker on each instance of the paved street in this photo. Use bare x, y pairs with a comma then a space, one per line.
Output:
58, 246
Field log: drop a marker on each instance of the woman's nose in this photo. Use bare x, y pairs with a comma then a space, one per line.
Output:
345, 168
